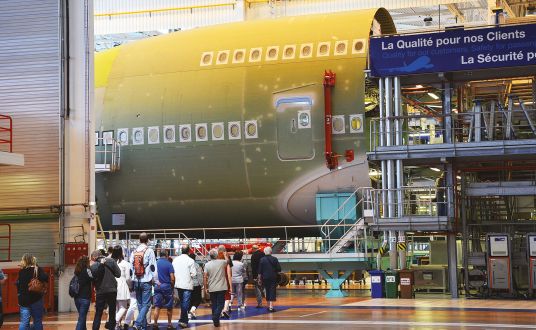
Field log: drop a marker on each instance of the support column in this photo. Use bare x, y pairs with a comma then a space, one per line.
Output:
78, 161
393, 262
335, 282
398, 142
452, 265
402, 254
447, 111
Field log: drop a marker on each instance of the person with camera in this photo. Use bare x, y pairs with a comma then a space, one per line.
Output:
104, 271
31, 287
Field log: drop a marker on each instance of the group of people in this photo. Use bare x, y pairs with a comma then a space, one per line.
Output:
130, 287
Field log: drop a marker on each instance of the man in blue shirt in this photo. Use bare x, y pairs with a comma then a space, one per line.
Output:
163, 290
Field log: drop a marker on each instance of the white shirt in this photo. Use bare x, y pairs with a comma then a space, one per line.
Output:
185, 272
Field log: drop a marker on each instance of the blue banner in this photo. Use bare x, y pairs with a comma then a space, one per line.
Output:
453, 50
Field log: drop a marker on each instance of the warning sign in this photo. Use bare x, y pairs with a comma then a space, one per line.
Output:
405, 281
401, 246
390, 279
375, 279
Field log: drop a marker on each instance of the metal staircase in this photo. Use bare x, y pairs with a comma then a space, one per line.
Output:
351, 233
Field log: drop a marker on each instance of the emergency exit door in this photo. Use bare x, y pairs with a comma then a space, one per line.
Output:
294, 129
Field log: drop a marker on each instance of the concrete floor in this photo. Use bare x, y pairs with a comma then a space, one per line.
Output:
306, 309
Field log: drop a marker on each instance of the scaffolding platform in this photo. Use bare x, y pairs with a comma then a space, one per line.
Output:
465, 150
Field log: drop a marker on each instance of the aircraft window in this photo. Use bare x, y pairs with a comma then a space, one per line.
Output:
251, 129
340, 48
217, 131
234, 130
169, 134
185, 133
137, 135
356, 123
338, 125
272, 53
122, 134
359, 46
206, 58
153, 135
239, 56
255, 55
323, 49
201, 131
289, 52
306, 50
304, 119
223, 57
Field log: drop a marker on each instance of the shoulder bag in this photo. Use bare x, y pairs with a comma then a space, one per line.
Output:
36, 285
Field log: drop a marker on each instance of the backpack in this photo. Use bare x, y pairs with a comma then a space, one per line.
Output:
139, 266
74, 287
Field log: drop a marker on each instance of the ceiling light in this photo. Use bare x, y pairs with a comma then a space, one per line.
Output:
418, 86
435, 169
458, 177
432, 95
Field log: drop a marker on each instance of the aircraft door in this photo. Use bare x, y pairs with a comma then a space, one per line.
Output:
294, 132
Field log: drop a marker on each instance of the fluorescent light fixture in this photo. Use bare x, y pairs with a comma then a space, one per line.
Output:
418, 86
432, 95
435, 169
430, 196
458, 177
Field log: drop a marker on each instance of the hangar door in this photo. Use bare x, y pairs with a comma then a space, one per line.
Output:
294, 132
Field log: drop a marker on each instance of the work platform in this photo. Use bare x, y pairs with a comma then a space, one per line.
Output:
469, 151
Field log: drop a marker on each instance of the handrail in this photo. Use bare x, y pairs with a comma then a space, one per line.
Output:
8, 129
341, 207
110, 148
8, 237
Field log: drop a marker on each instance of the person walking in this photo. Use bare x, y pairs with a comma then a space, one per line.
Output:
124, 283
216, 284
104, 271
163, 290
3, 280
256, 257
185, 273
196, 293
222, 255
238, 276
143, 263
269, 267
30, 303
82, 300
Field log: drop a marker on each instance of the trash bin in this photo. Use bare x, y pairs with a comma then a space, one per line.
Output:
376, 283
391, 284
407, 281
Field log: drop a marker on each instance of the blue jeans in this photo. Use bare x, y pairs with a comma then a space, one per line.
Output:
184, 296
82, 306
218, 302
143, 297
34, 311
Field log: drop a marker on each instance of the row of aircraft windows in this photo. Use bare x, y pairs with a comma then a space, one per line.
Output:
200, 132
289, 52
185, 134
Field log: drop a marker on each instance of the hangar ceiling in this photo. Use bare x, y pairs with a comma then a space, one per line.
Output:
121, 21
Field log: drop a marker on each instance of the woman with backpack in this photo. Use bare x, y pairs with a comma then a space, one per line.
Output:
124, 283
31, 288
80, 290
